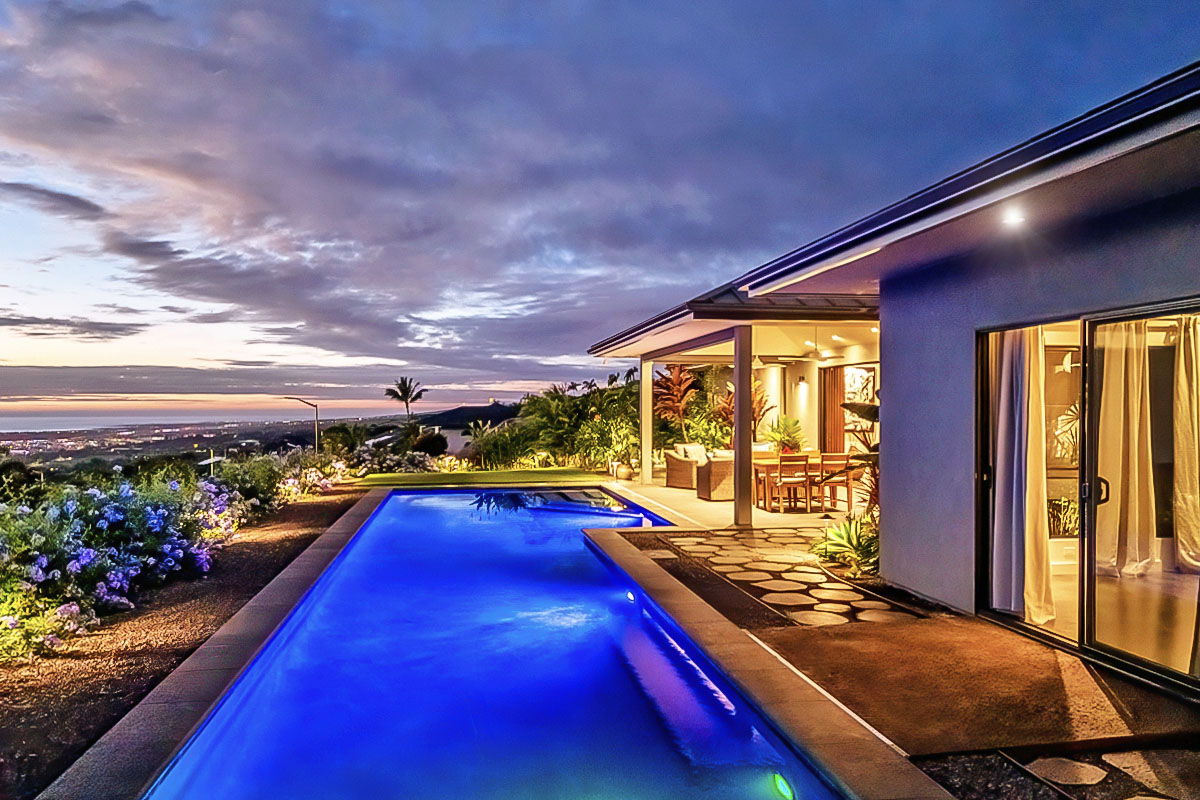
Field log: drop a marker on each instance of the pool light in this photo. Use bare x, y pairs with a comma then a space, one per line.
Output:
783, 787
631, 597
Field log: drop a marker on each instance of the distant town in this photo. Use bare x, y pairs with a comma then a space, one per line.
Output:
63, 449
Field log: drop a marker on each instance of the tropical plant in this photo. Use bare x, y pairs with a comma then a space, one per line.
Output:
724, 408
787, 434
865, 461
674, 390
503, 447
407, 391
709, 431
344, 438
855, 543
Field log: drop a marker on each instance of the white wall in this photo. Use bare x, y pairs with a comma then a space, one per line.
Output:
929, 320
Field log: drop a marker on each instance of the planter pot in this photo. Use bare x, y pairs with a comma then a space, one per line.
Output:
624, 472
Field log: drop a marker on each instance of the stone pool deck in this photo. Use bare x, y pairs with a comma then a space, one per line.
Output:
961, 696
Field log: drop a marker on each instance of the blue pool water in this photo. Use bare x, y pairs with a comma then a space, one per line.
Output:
466, 648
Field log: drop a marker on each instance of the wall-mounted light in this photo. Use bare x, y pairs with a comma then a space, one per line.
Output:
837, 338
875, 329
1013, 217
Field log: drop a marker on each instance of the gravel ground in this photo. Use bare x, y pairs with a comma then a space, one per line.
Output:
54, 709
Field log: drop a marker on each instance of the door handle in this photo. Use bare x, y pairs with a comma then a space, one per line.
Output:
1104, 487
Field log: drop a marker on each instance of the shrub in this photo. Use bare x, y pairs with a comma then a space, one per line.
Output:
430, 443
81, 551
255, 478
854, 543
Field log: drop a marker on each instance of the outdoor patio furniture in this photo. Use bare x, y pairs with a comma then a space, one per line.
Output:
714, 479
682, 463
836, 474
789, 476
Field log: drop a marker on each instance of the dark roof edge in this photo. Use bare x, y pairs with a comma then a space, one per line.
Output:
1133, 110
670, 315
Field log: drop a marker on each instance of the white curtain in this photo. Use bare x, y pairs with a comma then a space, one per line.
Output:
1187, 445
1125, 524
1020, 522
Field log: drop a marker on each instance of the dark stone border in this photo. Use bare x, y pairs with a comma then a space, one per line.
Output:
123, 763
851, 756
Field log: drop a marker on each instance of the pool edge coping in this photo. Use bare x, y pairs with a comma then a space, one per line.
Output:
129, 757
842, 748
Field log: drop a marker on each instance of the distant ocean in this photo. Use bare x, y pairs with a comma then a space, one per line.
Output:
22, 423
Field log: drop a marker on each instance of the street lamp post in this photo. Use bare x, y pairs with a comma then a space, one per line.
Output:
316, 421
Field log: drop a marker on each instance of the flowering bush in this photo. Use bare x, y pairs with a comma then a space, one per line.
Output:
380, 460
83, 551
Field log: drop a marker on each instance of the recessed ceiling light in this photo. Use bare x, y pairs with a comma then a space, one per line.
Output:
836, 338
875, 330
811, 344
1013, 217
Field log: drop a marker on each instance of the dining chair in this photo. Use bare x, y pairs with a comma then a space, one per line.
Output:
835, 474
790, 478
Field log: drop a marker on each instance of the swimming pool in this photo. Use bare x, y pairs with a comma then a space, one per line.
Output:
469, 644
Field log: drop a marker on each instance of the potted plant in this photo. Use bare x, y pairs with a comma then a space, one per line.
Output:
787, 435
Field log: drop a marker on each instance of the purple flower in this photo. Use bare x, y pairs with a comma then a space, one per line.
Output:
41, 561
51, 641
73, 567
70, 506
85, 556
94, 492
67, 610
126, 490
9, 622
36, 575
173, 486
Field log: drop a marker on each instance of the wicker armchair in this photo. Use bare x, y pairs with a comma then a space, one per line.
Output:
714, 479
682, 463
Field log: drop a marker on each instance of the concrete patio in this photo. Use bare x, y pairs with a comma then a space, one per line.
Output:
935, 683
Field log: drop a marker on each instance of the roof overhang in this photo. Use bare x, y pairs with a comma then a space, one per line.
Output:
718, 311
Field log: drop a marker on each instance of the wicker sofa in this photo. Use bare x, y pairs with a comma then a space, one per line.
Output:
682, 463
714, 479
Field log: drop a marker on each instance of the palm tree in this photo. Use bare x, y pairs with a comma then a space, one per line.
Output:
407, 391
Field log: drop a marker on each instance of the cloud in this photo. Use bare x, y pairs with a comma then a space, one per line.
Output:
482, 189
58, 203
74, 327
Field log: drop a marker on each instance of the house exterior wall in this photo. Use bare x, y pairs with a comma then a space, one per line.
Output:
929, 317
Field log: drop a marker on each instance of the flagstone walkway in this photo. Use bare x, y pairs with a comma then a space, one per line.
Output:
777, 567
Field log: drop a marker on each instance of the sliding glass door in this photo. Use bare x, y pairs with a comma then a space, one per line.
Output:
1033, 426
1143, 498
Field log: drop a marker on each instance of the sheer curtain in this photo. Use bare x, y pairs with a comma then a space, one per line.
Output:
1187, 445
1125, 523
1020, 522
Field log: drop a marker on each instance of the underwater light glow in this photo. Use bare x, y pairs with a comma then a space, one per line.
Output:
783, 787
630, 597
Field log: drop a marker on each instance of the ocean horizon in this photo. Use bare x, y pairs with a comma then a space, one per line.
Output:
54, 423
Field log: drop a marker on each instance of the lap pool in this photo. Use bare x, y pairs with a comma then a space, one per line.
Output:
469, 644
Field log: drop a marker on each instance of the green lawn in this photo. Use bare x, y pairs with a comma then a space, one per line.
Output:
556, 475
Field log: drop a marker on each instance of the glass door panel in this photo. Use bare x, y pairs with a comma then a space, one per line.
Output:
1034, 395
1144, 505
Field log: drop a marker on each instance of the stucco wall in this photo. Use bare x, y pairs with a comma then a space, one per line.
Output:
929, 319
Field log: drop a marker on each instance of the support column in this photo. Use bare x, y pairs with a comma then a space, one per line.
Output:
743, 420
646, 422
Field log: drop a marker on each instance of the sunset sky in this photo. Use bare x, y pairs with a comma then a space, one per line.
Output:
204, 206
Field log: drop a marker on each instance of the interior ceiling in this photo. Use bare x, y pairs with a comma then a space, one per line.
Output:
1166, 167
791, 341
